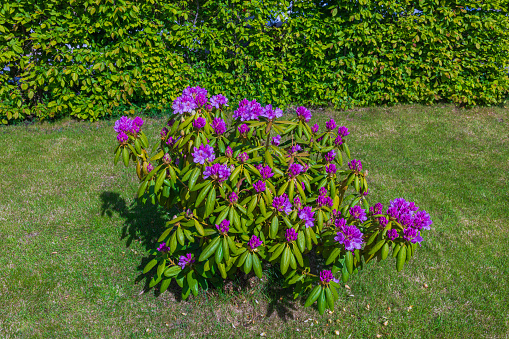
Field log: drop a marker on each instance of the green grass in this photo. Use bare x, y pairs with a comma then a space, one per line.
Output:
74, 242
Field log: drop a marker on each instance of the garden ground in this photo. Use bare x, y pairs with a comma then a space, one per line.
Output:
74, 241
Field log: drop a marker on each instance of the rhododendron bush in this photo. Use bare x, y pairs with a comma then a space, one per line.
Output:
262, 191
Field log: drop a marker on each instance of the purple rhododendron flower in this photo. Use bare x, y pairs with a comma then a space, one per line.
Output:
358, 213
355, 165
167, 158
377, 208
338, 141
326, 276
297, 202
294, 149
365, 194
122, 137
123, 125
243, 157
244, 129
330, 125
276, 140
164, 131
170, 141
266, 172
149, 168
233, 198
138, 122
224, 226
229, 152
282, 204
422, 220
322, 191
217, 172
383, 221
291, 235
340, 223
184, 104
324, 201
185, 260
163, 248
199, 123
200, 99
219, 101
329, 157
303, 113
254, 242
219, 126
315, 128
194, 91
330, 169
399, 207
392, 234
270, 113
412, 235
295, 169
259, 186
248, 110
202, 154
343, 131
351, 237
307, 214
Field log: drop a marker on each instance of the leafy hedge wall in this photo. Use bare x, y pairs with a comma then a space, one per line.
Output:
88, 58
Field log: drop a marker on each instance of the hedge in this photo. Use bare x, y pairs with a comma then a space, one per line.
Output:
89, 58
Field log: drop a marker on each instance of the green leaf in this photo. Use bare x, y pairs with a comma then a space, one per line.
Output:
313, 296
149, 266
298, 255
274, 227
400, 260
218, 255
248, 263
202, 194
349, 261
210, 249
172, 271
332, 257
385, 251
322, 303
210, 203
199, 227
257, 266
164, 285
125, 156
330, 298
285, 260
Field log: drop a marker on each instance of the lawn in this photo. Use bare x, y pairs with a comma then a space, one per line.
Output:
74, 241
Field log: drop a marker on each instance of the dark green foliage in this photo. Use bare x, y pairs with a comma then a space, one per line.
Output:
87, 58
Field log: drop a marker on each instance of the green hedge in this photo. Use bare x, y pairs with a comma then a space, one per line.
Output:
88, 58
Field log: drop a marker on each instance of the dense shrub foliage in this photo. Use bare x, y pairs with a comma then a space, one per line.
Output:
86, 57
262, 191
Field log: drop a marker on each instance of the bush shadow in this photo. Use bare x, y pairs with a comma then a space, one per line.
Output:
143, 223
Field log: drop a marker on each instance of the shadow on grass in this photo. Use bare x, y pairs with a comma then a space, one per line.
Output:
144, 223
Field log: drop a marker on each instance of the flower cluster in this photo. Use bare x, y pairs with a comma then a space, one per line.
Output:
243, 157
282, 204
330, 169
330, 125
248, 110
219, 126
295, 169
324, 199
217, 172
223, 227
276, 140
291, 235
203, 153
357, 213
233, 198
355, 165
125, 126
303, 113
254, 242
270, 113
244, 129
326, 277
185, 260
259, 186
219, 101
199, 123
307, 214
329, 157
351, 237
265, 172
